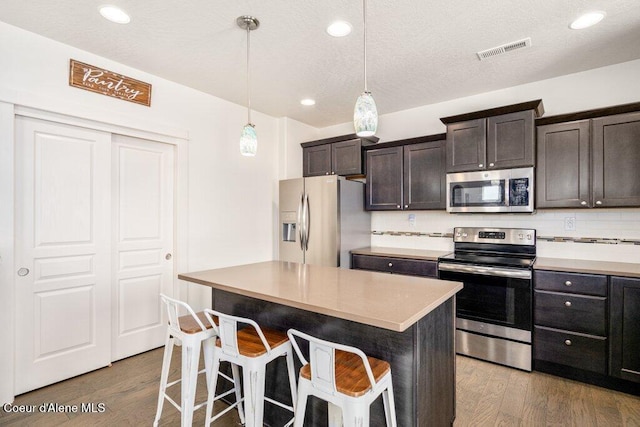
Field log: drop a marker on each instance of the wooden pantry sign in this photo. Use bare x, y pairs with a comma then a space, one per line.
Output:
105, 82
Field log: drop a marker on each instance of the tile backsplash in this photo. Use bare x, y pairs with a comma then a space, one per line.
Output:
594, 234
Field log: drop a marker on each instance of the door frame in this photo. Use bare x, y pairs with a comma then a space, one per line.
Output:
8, 112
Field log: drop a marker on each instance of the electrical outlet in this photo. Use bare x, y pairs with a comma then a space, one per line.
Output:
570, 223
412, 220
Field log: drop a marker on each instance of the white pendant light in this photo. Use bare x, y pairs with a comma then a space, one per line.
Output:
248, 137
365, 113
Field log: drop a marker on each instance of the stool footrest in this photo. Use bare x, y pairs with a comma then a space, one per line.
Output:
280, 404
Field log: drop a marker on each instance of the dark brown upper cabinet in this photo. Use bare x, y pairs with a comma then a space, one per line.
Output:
409, 175
562, 175
498, 138
340, 155
592, 162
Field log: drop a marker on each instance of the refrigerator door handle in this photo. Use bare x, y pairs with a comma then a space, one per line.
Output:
300, 221
307, 222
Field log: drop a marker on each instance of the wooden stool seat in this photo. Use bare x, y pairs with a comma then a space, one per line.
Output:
351, 376
188, 325
250, 344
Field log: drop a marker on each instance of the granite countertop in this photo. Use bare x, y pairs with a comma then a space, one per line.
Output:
401, 253
626, 269
389, 301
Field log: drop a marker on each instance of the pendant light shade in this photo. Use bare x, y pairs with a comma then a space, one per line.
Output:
365, 113
248, 137
248, 140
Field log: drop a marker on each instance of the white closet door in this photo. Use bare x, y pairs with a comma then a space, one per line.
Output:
63, 219
143, 187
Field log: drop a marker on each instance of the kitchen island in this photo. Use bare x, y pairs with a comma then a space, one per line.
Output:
407, 321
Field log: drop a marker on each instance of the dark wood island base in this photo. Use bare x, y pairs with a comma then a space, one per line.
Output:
422, 359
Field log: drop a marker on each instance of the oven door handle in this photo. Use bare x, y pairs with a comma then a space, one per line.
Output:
486, 271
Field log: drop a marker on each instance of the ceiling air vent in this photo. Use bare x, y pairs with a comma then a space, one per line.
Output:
499, 50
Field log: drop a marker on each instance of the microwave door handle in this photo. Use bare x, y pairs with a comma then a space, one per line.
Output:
507, 186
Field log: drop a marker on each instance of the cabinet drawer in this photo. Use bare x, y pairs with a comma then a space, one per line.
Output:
571, 349
590, 284
412, 267
578, 313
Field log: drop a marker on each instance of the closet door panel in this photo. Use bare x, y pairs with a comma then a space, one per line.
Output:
62, 252
143, 188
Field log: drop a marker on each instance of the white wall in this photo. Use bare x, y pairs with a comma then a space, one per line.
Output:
602, 87
230, 199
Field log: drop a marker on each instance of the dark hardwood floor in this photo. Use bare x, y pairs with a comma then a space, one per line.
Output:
487, 395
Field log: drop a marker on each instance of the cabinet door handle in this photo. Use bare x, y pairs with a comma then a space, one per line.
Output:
568, 283
567, 303
480, 165
406, 206
326, 173
390, 264
583, 203
398, 206
598, 202
491, 165
568, 342
333, 173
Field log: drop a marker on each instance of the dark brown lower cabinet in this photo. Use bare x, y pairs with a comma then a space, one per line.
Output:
581, 351
625, 329
411, 267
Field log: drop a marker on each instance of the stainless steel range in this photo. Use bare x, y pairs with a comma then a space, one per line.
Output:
493, 310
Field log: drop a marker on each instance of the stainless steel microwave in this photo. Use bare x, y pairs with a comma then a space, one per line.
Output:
506, 190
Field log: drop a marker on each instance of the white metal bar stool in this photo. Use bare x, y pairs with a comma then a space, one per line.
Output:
345, 377
252, 348
192, 331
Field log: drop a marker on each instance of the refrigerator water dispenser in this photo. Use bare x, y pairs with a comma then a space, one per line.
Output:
288, 226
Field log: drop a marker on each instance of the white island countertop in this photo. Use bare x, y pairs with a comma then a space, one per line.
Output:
388, 301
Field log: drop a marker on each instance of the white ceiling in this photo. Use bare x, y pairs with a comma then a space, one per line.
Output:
419, 51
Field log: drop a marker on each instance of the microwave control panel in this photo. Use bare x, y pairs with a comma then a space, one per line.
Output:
519, 192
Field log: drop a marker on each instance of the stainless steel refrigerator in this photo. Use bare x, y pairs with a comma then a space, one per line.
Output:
321, 219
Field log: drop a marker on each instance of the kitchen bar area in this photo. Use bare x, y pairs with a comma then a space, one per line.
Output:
407, 321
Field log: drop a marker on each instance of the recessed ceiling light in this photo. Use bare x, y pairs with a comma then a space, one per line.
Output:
308, 101
339, 29
587, 20
114, 14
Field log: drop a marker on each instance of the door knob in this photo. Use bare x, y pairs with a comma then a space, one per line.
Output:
23, 272
167, 257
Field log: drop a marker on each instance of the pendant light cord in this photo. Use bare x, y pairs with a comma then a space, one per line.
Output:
248, 87
364, 16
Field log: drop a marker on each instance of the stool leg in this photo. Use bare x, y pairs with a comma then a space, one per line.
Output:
190, 359
335, 415
356, 413
208, 347
164, 376
292, 379
211, 388
236, 385
389, 404
254, 377
301, 405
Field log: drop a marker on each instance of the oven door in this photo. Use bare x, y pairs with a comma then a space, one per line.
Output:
492, 295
